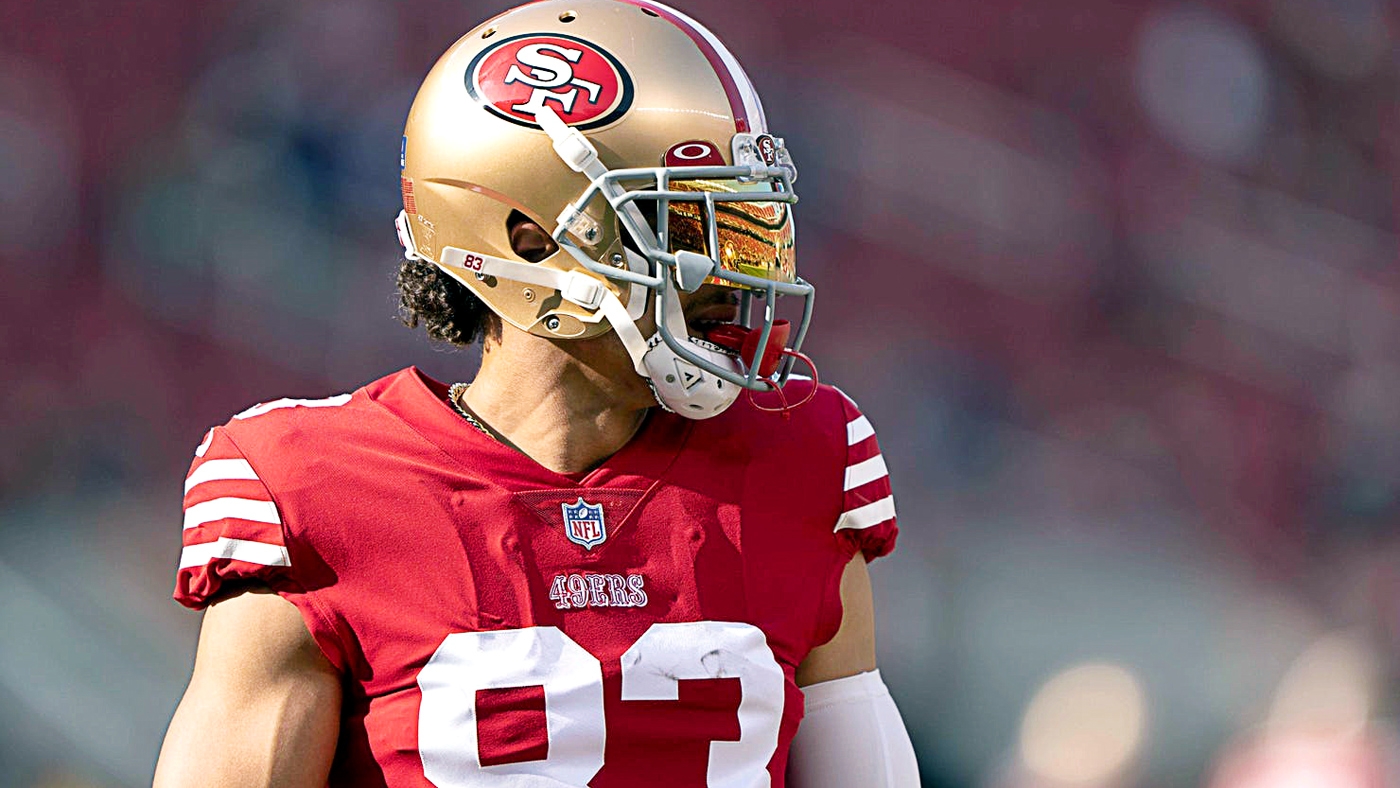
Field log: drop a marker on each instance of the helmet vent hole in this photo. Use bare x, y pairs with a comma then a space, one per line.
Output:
649, 12
488, 32
568, 16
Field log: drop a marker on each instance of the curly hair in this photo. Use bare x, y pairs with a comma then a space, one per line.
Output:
446, 309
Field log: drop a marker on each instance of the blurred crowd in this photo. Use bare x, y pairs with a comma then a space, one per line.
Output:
1116, 281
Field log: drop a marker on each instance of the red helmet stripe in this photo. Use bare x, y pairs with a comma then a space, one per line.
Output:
744, 120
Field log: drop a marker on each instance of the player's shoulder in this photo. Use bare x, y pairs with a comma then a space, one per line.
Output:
295, 424
812, 406
822, 422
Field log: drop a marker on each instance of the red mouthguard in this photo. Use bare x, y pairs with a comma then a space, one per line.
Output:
744, 341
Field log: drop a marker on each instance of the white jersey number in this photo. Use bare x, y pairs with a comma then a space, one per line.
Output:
470, 661
572, 679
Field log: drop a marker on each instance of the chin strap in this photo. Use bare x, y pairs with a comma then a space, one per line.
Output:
680, 387
574, 286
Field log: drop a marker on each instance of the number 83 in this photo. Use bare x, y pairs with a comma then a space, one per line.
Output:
572, 681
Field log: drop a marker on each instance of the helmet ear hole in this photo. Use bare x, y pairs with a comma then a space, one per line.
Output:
528, 239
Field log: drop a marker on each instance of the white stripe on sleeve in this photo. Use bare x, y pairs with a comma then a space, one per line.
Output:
236, 549
204, 444
858, 430
236, 508
866, 472
219, 470
867, 515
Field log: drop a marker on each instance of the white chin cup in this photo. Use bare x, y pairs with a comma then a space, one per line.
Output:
685, 389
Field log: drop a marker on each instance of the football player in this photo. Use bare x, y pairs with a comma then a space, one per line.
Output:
633, 549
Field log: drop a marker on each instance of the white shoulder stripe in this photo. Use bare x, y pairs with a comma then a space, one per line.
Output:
236, 549
219, 470
867, 515
866, 472
236, 508
328, 402
858, 430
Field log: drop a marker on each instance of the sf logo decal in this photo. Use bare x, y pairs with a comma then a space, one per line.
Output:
519, 76
549, 72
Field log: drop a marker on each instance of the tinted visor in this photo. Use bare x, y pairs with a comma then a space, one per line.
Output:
754, 237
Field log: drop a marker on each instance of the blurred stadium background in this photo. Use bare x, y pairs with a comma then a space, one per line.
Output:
1117, 282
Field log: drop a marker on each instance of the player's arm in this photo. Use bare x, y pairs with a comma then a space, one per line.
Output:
263, 705
852, 650
852, 733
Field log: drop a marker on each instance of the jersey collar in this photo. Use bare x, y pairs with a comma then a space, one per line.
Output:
421, 403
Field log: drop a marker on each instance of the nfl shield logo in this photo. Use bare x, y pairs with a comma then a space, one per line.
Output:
583, 524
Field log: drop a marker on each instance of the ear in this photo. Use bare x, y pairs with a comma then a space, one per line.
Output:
529, 240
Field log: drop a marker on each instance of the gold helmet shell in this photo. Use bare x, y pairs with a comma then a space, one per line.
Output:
641, 82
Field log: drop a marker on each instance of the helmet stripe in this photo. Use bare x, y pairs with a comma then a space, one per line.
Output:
743, 99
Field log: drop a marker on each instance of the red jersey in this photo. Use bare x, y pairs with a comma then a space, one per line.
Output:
498, 623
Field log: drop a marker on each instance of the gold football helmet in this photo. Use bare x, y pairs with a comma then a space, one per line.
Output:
630, 130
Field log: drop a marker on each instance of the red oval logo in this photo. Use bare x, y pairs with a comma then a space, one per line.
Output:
694, 153
585, 85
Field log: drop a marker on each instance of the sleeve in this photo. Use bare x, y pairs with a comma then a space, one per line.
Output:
232, 531
852, 734
867, 521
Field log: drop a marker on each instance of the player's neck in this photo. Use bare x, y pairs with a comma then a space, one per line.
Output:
567, 406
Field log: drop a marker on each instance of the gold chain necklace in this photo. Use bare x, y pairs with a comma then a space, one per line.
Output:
456, 395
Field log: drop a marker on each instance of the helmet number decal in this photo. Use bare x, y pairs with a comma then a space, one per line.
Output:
461, 258
518, 77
